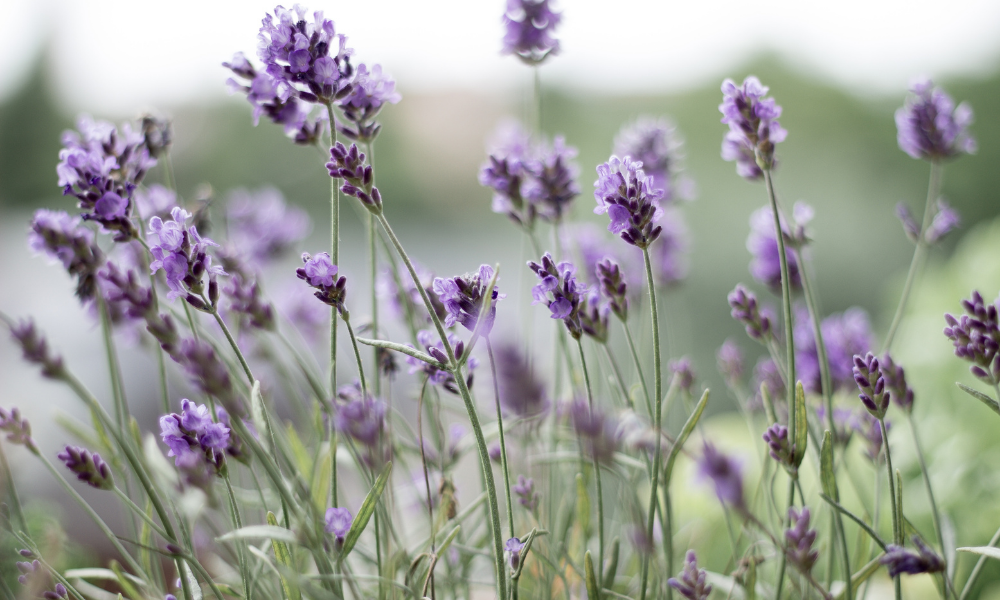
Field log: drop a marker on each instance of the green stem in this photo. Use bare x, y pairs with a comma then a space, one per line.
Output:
935, 514
618, 376
788, 523
638, 366
897, 533
658, 387
503, 442
232, 342
786, 300
117, 390
12, 491
597, 467
373, 267
933, 190
357, 354
334, 250
240, 544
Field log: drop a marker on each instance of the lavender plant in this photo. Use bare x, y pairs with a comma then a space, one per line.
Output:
365, 491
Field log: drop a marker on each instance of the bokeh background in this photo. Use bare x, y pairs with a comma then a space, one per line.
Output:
839, 70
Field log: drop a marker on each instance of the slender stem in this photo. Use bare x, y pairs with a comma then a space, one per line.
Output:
240, 544
784, 555
786, 299
638, 365
142, 514
597, 466
979, 567
12, 491
930, 491
933, 190
334, 250
503, 442
618, 376
236, 348
658, 387
373, 267
117, 390
897, 534
357, 354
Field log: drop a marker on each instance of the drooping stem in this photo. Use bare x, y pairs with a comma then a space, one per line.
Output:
897, 532
933, 190
597, 465
503, 442
658, 390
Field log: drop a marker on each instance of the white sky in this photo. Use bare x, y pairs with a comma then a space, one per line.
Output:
119, 55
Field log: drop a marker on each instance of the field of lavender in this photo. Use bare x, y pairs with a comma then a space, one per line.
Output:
380, 430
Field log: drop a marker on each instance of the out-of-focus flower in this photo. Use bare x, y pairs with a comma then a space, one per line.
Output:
507, 171
725, 474
209, 373
35, 349
594, 317
529, 26
521, 392
598, 432
560, 290
844, 334
753, 127
17, 428
900, 560
669, 251
526, 494
261, 226
683, 370
800, 539
895, 380
183, 256
656, 143
767, 372
731, 362
155, 201
552, 185
64, 239
613, 287
691, 583
931, 127
338, 523
746, 310
370, 91
765, 265
871, 432
625, 192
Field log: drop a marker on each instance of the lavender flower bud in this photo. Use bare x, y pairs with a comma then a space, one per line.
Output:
463, 299
349, 165
526, 494
613, 287
900, 560
60, 593
529, 26
868, 376
35, 349
753, 127
521, 392
745, 310
560, 290
17, 428
800, 539
27, 569
552, 185
594, 317
369, 92
895, 380
931, 127
871, 432
320, 273
656, 143
945, 220
157, 134
439, 375
64, 239
691, 582
731, 363
338, 523
910, 225
625, 192
725, 474
89, 468
780, 447
507, 173
670, 249
514, 546
598, 433
976, 337
361, 418
683, 369
767, 373
245, 300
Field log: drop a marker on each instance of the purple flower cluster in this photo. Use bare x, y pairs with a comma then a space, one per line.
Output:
338, 523
632, 202
726, 476
436, 373
945, 219
766, 372
780, 447
868, 376
65, 239
359, 181
753, 127
976, 337
361, 417
597, 432
521, 392
765, 265
463, 296
844, 334
552, 185
560, 290
529, 27
59, 592
155, 201
101, 167
370, 92
89, 468
900, 560
658, 146
800, 539
246, 303
261, 226
26, 569
197, 443
683, 370
691, 583
35, 349
931, 127
745, 309
613, 287
207, 371
183, 256
17, 428
320, 273
526, 494
730, 361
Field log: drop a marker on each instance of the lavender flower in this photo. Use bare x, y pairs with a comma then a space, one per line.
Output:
507, 173
526, 494
726, 476
683, 370
17, 428
670, 250
560, 290
196, 441
976, 337
359, 416
246, 303
369, 92
845, 334
753, 127
63, 238
591, 244
320, 273
594, 317
765, 265
463, 299
349, 165
209, 373
745, 310
598, 432
27, 569
844, 420
731, 363
155, 201
692, 580
895, 380
404, 296
59, 593
613, 287
945, 220
35, 349
514, 546
529, 27
868, 376
552, 185
625, 192
436, 373
521, 392
931, 127
900, 560
780, 447
338, 523
89, 468
768, 373
235, 447
656, 143
800, 539
307, 315
261, 226
276, 98
183, 256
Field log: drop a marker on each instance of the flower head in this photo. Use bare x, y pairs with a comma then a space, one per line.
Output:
598, 432
976, 337
35, 349
17, 428
683, 370
753, 127
521, 392
463, 299
895, 380
319, 272
868, 376
359, 180
781, 448
197, 443
338, 523
746, 310
369, 92
64, 239
800, 539
526, 494
765, 265
730, 360
868, 426
560, 290
437, 374
529, 26
900, 560
183, 256
725, 474
207, 371
360, 417
625, 192
261, 226
691, 582
931, 127
656, 143
613, 287
552, 185
845, 334
89, 468
670, 260
514, 546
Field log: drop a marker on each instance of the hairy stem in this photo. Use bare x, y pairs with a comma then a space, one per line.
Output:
658, 387
597, 465
503, 442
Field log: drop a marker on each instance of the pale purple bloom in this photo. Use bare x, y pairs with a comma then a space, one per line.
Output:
514, 546
753, 126
845, 334
931, 127
196, 441
767, 372
900, 560
945, 220
765, 265
463, 299
507, 172
594, 316
726, 476
868, 426
261, 226
552, 185
359, 181
592, 244
65, 239
60, 593
669, 251
868, 376
656, 143
35, 349
598, 433
521, 392
362, 418
369, 92
627, 195
526, 494
976, 337
89, 468
338, 523
155, 201
729, 358
683, 370
746, 310
183, 256
321, 274
692, 583
800, 540
529, 26
778, 444
17, 428
435, 348
844, 421
560, 290
208, 372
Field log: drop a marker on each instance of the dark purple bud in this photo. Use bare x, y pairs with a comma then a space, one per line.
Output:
900, 560
89, 468
691, 583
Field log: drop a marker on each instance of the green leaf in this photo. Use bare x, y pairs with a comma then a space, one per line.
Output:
123, 580
827, 476
990, 402
988, 551
582, 504
684, 434
592, 589
360, 521
801, 425
259, 420
284, 557
448, 540
269, 532
612, 569
409, 351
